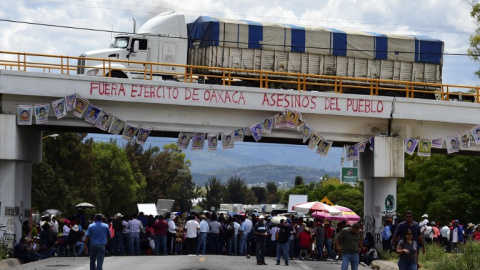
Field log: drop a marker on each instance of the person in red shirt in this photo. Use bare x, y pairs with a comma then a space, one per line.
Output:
329, 241
160, 226
305, 239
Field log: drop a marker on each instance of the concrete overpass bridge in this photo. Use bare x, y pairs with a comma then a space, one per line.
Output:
173, 107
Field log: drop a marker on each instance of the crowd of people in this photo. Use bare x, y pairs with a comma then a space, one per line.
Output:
289, 237
190, 233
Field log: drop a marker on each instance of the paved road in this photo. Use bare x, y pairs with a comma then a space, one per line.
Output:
180, 262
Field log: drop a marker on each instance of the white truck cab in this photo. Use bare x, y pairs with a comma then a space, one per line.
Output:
162, 39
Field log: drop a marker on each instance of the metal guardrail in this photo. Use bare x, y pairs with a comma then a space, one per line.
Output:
46, 63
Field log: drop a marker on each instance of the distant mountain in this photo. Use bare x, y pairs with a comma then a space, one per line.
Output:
261, 174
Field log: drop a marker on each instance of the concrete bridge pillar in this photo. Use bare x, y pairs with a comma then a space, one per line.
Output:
20, 147
379, 170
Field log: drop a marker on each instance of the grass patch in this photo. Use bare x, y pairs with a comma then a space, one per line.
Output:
4, 252
436, 258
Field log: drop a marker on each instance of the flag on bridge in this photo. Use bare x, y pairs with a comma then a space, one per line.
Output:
24, 114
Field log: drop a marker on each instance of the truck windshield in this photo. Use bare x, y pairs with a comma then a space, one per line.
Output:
121, 42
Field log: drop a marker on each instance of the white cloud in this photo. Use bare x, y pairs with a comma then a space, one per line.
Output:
448, 20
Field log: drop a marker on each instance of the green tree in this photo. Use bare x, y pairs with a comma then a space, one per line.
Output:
271, 188
64, 178
215, 192
238, 192
474, 50
167, 175
114, 179
261, 194
299, 180
444, 186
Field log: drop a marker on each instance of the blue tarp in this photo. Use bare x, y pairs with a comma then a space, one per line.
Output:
207, 30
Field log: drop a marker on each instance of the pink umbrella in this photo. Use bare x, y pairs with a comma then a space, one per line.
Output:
316, 206
347, 213
328, 216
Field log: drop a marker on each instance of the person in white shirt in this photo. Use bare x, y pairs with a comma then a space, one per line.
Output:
427, 232
445, 236
424, 222
171, 234
192, 227
273, 246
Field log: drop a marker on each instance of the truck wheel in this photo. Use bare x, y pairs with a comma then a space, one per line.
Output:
117, 74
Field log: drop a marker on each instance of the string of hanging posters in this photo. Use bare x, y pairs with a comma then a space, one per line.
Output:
288, 118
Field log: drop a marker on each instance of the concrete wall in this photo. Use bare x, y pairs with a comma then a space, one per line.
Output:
20, 147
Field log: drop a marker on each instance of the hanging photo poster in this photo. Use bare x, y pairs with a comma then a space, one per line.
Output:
24, 114
424, 148
183, 140
256, 131
117, 125
198, 141
465, 140
314, 139
143, 134
41, 113
409, 145
352, 153
212, 139
267, 125
453, 144
371, 141
437, 143
59, 108
129, 131
476, 134
239, 134
300, 122
280, 119
361, 146
81, 105
70, 102
92, 114
228, 140
306, 132
104, 120
323, 147
292, 118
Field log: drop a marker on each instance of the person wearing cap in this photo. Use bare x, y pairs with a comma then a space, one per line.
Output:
349, 241
456, 235
118, 227
427, 232
305, 239
74, 239
424, 223
96, 238
436, 232
171, 234
469, 232
201, 247
260, 233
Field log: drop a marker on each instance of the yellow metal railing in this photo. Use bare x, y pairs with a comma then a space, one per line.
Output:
229, 76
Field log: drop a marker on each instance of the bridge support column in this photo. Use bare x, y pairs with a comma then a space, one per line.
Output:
20, 147
379, 170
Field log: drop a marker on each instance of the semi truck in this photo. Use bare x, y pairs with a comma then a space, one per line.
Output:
244, 45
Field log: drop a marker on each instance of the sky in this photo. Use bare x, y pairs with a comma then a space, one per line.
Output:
447, 20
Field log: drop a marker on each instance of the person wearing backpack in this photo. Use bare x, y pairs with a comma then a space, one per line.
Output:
283, 238
427, 232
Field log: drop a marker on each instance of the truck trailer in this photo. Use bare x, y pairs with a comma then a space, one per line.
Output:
287, 49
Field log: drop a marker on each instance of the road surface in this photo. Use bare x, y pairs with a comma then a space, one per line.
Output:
177, 262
